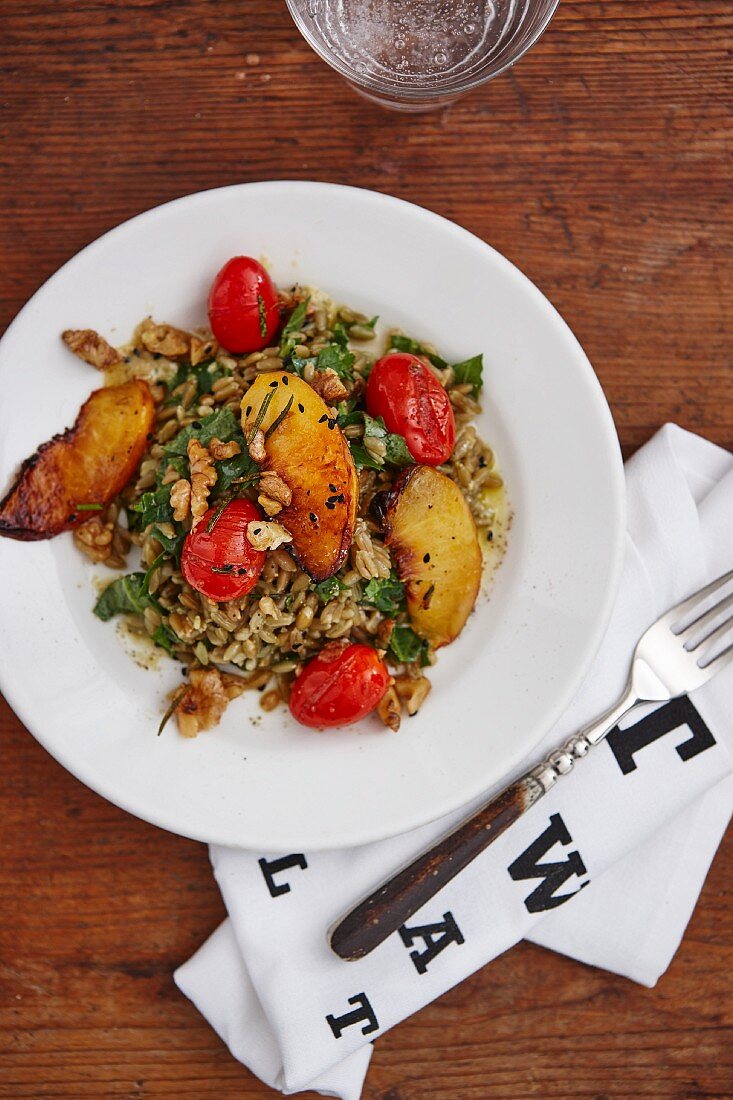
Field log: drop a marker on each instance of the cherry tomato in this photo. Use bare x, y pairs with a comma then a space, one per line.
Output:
222, 563
339, 686
243, 308
413, 404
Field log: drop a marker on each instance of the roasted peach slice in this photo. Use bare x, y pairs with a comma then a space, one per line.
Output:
432, 537
87, 464
306, 448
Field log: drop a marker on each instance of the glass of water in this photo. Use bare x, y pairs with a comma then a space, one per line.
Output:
412, 55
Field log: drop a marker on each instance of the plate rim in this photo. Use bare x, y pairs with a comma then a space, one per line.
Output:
617, 495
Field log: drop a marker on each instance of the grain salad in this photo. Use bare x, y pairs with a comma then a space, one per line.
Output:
331, 510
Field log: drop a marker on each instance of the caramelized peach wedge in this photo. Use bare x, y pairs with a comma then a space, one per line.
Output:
433, 540
304, 446
86, 466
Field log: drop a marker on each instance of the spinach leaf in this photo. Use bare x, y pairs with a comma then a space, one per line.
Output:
124, 596
222, 424
406, 343
362, 459
165, 638
294, 324
397, 453
336, 357
329, 589
406, 647
171, 544
151, 508
230, 469
388, 596
205, 378
470, 370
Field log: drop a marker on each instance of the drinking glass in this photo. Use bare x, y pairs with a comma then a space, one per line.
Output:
412, 55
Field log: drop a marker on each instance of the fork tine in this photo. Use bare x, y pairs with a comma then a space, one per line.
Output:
697, 598
707, 617
720, 661
714, 637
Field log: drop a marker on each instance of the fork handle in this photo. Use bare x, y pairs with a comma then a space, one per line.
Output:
371, 921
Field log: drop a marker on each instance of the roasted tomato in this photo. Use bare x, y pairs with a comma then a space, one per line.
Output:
413, 404
243, 309
222, 563
339, 686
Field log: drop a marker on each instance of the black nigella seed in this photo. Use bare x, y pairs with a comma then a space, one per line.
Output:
482, 462
274, 385
197, 425
257, 530
136, 353
285, 380
242, 572
341, 498
248, 410
331, 425
301, 407
157, 355
330, 505
323, 419
426, 559
490, 536
314, 517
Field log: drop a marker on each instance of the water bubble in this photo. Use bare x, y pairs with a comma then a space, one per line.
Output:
360, 66
399, 43
469, 28
440, 58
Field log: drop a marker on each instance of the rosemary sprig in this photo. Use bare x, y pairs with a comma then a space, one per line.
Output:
260, 417
173, 704
279, 419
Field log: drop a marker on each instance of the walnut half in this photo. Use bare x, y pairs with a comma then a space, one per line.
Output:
91, 347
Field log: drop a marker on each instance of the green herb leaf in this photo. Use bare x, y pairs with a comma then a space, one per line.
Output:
329, 589
294, 324
406, 343
263, 316
124, 596
165, 638
338, 358
179, 464
88, 507
206, 373
234, 469
340, 335
151, 508
362, 459
388, 596
173, 545
220, 425
470, 371
398, 453
407, 647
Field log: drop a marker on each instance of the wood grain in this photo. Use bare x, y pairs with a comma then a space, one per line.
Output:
601, 166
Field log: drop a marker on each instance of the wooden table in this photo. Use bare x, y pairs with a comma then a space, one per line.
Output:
598, 166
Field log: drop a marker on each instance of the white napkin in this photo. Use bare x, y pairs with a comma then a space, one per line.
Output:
632, 831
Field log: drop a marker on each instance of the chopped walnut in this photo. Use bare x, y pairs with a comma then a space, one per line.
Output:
389, 709
384, 632
181, 499
91, 347
265, 535
203, 477
94, 538
257, 447
205, 700
413, 691
174, 343
275, 494
220, 451
329, 386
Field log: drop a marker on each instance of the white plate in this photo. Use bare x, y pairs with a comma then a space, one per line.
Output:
270, 784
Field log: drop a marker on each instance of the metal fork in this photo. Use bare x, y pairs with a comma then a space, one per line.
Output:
674, 656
